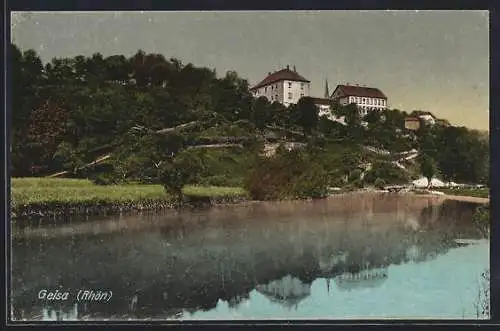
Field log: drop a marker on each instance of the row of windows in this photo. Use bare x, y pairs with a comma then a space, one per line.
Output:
368, 101
290, 95
301, 85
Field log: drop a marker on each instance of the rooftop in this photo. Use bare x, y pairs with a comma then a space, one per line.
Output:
283, 74
421, 113
321, 101
360, 91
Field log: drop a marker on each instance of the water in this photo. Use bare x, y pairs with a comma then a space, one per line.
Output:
353, 257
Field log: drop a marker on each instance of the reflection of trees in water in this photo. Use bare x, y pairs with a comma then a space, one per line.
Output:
287, 291
362, 279
201, 265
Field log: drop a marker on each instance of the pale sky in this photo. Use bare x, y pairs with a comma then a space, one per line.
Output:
430, 60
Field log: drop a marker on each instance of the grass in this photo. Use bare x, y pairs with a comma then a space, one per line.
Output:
40, 182
26, 191
479, 193
214, 191
40, 191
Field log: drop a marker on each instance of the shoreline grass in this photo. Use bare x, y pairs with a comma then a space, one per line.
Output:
47, 196
468, 192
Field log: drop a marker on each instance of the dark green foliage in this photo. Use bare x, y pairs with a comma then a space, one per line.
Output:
72, 111
428, 167
386, 173
379, 183
182, 170
307, 115
287, 175
355, 175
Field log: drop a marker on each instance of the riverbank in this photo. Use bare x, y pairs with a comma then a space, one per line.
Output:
42, 198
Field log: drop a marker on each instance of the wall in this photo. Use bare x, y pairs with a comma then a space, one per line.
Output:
297, 89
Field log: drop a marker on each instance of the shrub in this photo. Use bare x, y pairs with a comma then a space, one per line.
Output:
311, 184
184, 169
355, 175
379, 183
387, 172
358, 183
287, 175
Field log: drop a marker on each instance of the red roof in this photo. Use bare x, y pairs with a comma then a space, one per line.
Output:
321, 101
413, 119
284, 74
360, 91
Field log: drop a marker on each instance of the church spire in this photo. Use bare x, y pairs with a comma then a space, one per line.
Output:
327, 92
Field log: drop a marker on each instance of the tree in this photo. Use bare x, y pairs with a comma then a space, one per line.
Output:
428, 168
183, 169
261, 113
308, 115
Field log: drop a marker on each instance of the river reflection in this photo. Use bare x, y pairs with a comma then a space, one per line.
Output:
351, 257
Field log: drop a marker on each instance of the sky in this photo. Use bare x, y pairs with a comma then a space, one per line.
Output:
428, 60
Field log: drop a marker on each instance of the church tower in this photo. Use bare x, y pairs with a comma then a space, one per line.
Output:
327, 92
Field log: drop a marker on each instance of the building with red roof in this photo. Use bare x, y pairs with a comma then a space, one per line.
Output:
285, 86
366, 98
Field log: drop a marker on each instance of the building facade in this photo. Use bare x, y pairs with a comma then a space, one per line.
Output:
365, 98
425, 116
412, 123
285, 86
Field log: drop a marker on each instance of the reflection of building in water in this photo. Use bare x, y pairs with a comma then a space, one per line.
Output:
363, 279
287, 291
413, 253
326, 264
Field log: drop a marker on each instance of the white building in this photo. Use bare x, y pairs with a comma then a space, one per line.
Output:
365, 98
285, 86
426, 116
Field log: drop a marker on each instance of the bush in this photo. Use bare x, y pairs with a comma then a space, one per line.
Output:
287, 175
387, 172
379, 183
311, 184
355, 175
184, 169
358, 183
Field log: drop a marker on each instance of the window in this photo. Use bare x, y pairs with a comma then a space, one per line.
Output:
301, 95
289, 84
265, 89
301, 86
289, 95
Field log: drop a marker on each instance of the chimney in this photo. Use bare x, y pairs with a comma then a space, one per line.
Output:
287, 67
294, 69
269, 73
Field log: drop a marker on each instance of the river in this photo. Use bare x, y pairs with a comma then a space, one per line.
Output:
368, 256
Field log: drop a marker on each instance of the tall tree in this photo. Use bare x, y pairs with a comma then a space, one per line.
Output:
428, 168
308, 115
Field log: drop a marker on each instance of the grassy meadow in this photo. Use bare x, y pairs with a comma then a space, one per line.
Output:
468, 192
26, 192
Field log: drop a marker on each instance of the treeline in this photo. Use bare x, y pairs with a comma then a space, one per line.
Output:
72, 111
